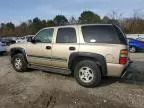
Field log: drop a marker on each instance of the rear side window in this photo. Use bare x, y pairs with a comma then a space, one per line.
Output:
66, 35
121, 35
102, 34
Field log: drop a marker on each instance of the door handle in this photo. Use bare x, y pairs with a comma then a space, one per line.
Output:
72, 48
48, 47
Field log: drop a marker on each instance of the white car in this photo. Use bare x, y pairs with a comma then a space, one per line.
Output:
21, 40
140, 38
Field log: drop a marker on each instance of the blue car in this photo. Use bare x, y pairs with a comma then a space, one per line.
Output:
135, 45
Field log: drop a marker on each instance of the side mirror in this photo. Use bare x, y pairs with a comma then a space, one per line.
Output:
31, 39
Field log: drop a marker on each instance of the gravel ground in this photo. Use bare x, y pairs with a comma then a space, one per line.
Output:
137, 56
36, 89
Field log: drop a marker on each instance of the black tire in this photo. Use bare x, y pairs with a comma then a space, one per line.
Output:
23, 66
95, 70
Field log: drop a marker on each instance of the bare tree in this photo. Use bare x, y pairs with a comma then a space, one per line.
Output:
116, 18
135, 24
115, 15
138, 14
73, 21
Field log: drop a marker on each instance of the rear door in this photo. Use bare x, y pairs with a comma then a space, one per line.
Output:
66, 42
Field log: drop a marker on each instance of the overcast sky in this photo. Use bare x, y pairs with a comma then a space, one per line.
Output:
22, 10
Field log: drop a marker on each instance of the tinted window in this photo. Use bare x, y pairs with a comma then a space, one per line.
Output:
45, 36
66, 35
100, 34
121, 35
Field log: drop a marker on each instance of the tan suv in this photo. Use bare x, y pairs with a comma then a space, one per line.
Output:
90, 51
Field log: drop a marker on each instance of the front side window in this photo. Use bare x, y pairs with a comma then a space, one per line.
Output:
45, 36
66, 35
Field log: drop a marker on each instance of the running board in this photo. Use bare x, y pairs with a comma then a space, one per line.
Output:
50, 69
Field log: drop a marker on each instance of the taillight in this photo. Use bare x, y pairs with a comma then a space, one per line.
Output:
123, 56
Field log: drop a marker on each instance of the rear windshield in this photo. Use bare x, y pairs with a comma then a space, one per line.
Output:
103, 34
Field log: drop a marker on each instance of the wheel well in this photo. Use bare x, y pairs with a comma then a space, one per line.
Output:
81, 58
14, 52
133, 46
17, 51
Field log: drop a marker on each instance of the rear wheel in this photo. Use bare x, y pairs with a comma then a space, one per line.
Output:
87, 73
19, 63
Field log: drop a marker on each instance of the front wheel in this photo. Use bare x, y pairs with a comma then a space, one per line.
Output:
87, 73
19, 63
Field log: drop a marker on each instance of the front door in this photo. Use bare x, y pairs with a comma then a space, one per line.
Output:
66, 42
40, 52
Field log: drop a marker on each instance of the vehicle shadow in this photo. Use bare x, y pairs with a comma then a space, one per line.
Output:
3, 53
109, 80
134, 75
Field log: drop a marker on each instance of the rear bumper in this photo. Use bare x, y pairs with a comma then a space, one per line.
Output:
116, 70
125, 69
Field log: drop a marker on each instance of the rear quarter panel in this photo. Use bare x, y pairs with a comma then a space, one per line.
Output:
111, 52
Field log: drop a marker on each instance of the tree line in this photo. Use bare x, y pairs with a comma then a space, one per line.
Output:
134, 24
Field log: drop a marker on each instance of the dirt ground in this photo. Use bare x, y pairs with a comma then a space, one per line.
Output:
36, 89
